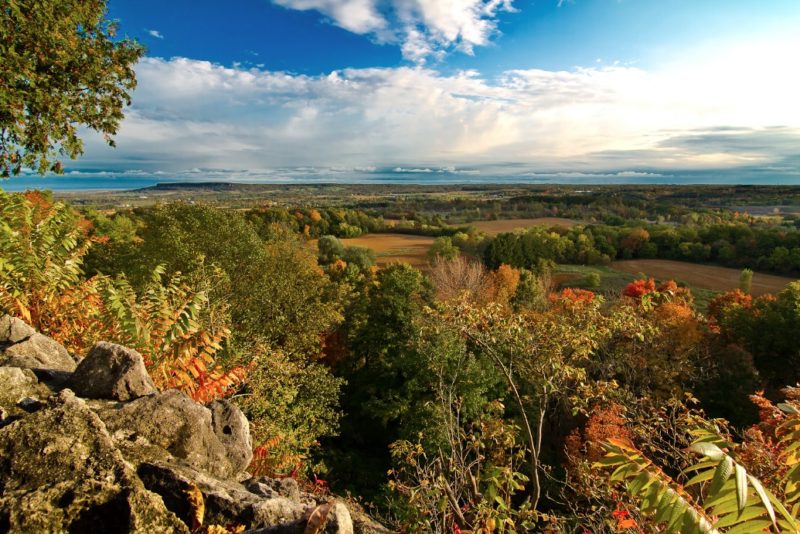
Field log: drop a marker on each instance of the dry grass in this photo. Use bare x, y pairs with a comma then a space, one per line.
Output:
389, 248
509, 225
704, 276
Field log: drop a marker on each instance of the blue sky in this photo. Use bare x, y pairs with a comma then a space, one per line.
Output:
261, 90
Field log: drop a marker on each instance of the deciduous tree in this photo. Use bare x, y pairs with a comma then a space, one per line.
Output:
61, 67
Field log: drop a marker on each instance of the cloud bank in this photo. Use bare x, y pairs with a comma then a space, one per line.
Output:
191, 114
423, 28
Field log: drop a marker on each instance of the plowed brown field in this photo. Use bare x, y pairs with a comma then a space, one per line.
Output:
705, 276
509, 225
390, 248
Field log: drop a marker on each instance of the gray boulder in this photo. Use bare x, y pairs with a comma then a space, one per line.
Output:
226, 502
273, 487
13, 330
233, 430
112, 371
61, 472
338, 520
175, 423
36, 352
364, 524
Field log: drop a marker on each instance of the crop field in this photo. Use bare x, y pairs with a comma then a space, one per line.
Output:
412, 249
509, 225
701, 276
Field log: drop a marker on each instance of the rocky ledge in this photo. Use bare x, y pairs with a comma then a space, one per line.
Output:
90, 445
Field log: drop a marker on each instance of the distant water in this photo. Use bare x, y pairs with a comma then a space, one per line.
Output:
110, 182
72, 183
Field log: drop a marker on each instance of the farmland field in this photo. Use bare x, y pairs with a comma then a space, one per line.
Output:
509, 225
704, 276
395, 247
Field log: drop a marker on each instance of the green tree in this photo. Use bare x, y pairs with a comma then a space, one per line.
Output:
60, 68
443, 248
767, 329
329, 249
361, 257
746, 281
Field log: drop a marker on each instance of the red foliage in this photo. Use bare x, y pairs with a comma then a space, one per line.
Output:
639, 288
334, 347
572, 295
624, 519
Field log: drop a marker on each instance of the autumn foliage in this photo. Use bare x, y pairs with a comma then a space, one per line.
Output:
42, 282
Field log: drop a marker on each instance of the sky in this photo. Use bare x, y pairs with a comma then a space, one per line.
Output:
472, 90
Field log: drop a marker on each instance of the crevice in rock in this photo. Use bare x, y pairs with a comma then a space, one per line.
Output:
111, 517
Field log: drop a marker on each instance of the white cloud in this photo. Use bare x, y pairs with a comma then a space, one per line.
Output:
189, 114
155, 33
423, 28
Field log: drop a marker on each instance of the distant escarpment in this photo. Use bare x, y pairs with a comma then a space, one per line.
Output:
90, 445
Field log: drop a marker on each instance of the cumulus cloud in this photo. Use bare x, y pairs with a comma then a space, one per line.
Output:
155, 33
195, 114
423, 28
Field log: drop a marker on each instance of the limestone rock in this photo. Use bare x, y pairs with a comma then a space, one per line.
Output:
226, 502
60, 472
13, 330
112, 371
175, 423
16, 385
36, 352
233, 430
272, 487
364, 524
339, 521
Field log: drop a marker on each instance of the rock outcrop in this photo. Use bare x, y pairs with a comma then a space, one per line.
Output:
23, 347
112, 371
61, 471
96, 448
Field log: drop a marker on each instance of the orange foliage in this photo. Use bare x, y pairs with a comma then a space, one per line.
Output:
48, 290
675, 313
268, 462
605, 422
505, 281
571, 297
722, 303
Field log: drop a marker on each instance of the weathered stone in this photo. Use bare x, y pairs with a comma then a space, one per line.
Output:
112, 371
272, 487
17, 384
174, 422
364, 524
339, 521
13, 330
226, 502
233, 430
290, 489
60, 472
37, 352
335, 519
